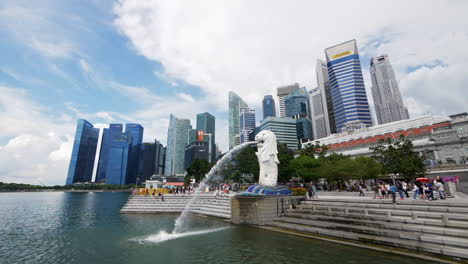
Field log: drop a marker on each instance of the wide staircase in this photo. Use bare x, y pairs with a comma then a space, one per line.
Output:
204, 204
434, 227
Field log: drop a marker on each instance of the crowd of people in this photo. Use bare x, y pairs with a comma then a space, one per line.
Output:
423, 189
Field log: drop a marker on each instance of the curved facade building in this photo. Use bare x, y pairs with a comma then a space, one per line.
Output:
348, 92
235, 104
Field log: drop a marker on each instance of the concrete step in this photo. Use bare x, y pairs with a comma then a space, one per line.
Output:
215, 214
369, 202
401, 207
429, 247
397, 226
149, 211
388, 215
377, 231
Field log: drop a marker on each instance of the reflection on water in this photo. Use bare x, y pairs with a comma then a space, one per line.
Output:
87, 228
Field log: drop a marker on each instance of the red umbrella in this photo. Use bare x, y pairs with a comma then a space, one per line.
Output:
423, 179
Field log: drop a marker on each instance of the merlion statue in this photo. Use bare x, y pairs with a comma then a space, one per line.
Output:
268, 161
267, 158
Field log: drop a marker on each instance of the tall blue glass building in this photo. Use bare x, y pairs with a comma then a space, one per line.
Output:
108, 135
269, 108
133, 168
83, 153
348, 93
117, 166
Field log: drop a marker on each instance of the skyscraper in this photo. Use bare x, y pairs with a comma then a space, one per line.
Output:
108, 135
136, 133
148, 160
269, 108
235, 104
83, 153
177, 140
160, 158
322, 118
282, 92
284, 129
247, 123
119, 158
297, 107
348, 93
388, 102
296, 102
206, 122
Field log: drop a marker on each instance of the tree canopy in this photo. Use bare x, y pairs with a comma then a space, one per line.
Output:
198, 169
399, 158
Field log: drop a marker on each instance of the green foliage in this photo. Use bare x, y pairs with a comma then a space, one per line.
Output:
285, 168
298, 191
399, 158
313, 164
314, 151
245, 162
198, 169
307, 168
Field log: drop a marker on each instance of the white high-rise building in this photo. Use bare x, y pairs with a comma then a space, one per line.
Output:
318, 103
282, 92
388, 102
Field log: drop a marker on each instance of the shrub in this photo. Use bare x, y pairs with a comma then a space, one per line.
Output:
298, 191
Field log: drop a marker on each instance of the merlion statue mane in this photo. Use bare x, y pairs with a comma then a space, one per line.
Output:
267, 158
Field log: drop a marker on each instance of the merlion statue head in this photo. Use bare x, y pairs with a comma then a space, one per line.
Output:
266, 145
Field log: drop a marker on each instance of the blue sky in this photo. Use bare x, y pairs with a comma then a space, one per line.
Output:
138, 61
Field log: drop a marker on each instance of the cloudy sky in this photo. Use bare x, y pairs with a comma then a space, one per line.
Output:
140, 60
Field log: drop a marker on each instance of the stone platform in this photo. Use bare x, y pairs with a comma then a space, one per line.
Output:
205, 204
437, 227
260, 209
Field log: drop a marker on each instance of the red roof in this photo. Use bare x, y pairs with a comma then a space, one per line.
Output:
174, 183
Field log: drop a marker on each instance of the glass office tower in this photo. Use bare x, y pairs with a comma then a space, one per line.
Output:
133, 168
348, 93
235, 104
269, 108
117, 166
108, 135
83, 153
206, 122
177, 140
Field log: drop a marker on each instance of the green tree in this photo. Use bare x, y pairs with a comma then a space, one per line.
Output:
285, 169
314, 151
307, 168
198, 169
398, 158
368, 168
246, 162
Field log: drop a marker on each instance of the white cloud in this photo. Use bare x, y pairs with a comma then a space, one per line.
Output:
253, 47
39, 144
186, 97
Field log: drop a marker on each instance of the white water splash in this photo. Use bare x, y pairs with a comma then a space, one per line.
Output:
179, 223
163, 236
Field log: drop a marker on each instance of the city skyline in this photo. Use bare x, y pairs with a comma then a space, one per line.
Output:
62, 62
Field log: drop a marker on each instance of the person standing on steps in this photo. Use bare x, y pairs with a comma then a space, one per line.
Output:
405, 188
392, 190
361, 191
399, 186
314, 191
